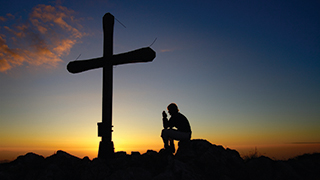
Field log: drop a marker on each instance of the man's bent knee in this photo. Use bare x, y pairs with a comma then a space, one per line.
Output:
164, 133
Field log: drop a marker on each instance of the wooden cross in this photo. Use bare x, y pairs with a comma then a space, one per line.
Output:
107, 61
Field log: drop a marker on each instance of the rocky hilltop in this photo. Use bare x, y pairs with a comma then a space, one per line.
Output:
196, 159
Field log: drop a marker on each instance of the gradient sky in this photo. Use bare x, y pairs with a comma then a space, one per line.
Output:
246, 75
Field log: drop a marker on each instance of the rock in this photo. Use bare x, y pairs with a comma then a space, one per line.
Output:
24, 167
285, 171
97, 169
167, 175
211, 160
185, 151
182, 170
132, 173
261, 168
135, 157
54, 171
195, 159
307, 165
153, 162
30, 159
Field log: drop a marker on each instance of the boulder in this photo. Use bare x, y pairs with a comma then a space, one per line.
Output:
211, 160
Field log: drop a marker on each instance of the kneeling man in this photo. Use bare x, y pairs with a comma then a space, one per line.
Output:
178, 120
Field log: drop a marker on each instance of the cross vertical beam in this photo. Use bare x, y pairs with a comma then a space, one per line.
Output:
106, 147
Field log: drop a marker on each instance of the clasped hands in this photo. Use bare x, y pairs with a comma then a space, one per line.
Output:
164, 114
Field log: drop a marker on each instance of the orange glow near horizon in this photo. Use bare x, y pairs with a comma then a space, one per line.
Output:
90, 149
83, 140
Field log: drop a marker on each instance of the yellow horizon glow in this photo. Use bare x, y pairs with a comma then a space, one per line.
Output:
90, 149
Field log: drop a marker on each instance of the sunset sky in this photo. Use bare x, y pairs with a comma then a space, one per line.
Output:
245, 74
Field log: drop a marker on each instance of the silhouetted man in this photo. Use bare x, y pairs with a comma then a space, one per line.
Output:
178, 120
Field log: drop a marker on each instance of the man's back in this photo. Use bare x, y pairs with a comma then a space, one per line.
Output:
179, 121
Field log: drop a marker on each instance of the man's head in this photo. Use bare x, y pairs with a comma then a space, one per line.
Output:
172, 108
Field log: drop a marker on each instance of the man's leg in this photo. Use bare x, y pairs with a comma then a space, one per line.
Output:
172, 148
165, 138
178, 135
169, 135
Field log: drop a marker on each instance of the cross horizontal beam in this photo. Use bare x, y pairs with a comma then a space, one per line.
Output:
136, 56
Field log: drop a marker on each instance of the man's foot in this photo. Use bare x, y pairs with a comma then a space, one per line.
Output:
169, 149
173, 149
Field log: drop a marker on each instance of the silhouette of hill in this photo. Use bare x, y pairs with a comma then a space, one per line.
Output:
196, 159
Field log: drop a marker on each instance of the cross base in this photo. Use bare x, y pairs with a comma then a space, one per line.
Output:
106, 150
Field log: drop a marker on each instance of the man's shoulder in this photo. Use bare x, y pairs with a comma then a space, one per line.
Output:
180, 115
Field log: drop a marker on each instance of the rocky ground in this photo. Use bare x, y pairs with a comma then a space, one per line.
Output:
196, 159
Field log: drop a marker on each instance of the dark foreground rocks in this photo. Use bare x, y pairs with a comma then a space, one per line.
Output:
195, 159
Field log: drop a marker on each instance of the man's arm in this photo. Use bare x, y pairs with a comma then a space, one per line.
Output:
165, 120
